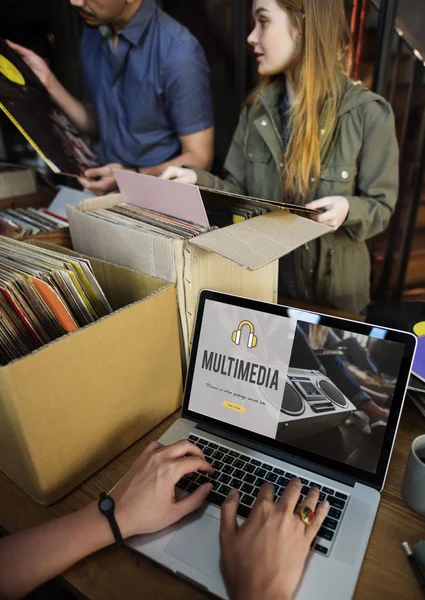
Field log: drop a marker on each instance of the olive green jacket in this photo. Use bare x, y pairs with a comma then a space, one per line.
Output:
361, 166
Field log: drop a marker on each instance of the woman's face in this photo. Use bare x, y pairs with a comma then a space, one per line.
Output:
274, 38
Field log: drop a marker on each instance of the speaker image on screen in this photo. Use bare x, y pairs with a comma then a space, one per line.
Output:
332, 392
311, 404
292, 403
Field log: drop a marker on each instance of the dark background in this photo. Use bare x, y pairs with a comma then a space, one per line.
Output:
52, 29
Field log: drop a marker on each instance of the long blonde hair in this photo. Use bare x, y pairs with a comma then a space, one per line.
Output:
323, 53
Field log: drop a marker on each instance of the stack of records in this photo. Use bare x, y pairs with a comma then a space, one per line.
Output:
222, 210
21, 222
150, 221
43, 295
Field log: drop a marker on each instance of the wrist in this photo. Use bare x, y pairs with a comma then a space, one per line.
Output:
52, 85
270, 591
106, 506
101, 530
256, 594
154, 171
89, 530
125, 520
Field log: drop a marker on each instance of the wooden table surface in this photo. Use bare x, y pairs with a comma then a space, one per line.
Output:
117, 573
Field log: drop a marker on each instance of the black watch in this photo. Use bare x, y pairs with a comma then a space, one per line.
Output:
107, 506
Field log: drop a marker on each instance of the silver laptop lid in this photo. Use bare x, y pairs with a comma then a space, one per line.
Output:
299, 384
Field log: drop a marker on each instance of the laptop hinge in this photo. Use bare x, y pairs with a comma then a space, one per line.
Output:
280, 455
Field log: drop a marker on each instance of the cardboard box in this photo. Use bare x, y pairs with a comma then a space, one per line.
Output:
238, 259
17, 182
73, 405
41, 199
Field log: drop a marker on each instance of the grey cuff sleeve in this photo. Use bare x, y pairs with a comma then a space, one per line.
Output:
204, 178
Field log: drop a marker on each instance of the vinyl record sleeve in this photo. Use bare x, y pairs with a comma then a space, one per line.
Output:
28, 105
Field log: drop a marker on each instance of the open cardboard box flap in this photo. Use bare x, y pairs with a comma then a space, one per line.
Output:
257, 242
251, 244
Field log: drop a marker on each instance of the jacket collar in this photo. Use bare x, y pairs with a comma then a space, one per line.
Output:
354, 94
271, 95
270, 98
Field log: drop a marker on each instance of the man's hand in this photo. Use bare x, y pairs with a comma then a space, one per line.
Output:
264, 558
144, 498
336, 212
180, 174
35, 63
81, 114
105, 179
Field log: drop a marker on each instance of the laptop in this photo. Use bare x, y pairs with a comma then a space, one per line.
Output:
271, 393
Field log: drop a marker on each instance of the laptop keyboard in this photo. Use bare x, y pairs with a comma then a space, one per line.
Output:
246, 474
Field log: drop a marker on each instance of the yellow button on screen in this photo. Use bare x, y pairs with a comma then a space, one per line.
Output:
233, 406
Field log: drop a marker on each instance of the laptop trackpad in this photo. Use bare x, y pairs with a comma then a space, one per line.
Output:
197, 544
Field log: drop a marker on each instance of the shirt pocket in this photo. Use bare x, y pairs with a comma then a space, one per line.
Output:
337, 180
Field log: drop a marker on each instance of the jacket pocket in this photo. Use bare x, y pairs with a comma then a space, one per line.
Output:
337, 180
344, 273
260, 172
254, 155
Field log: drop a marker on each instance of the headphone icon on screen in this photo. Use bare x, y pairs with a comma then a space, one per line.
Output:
236, 335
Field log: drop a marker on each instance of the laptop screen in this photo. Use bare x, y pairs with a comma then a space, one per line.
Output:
322, 388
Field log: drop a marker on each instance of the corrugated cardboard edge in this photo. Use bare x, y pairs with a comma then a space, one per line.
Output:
257, 242
93, 245
251, 244
179, 262
89, 204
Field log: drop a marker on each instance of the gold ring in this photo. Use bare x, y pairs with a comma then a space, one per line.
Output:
306, 514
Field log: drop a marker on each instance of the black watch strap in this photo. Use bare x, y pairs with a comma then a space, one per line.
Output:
106, 506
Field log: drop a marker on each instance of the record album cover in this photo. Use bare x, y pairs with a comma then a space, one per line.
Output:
28, 105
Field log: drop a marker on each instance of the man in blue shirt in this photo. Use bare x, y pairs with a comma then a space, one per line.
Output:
148, 90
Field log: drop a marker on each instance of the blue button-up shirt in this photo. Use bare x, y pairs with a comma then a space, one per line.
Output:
153, 88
